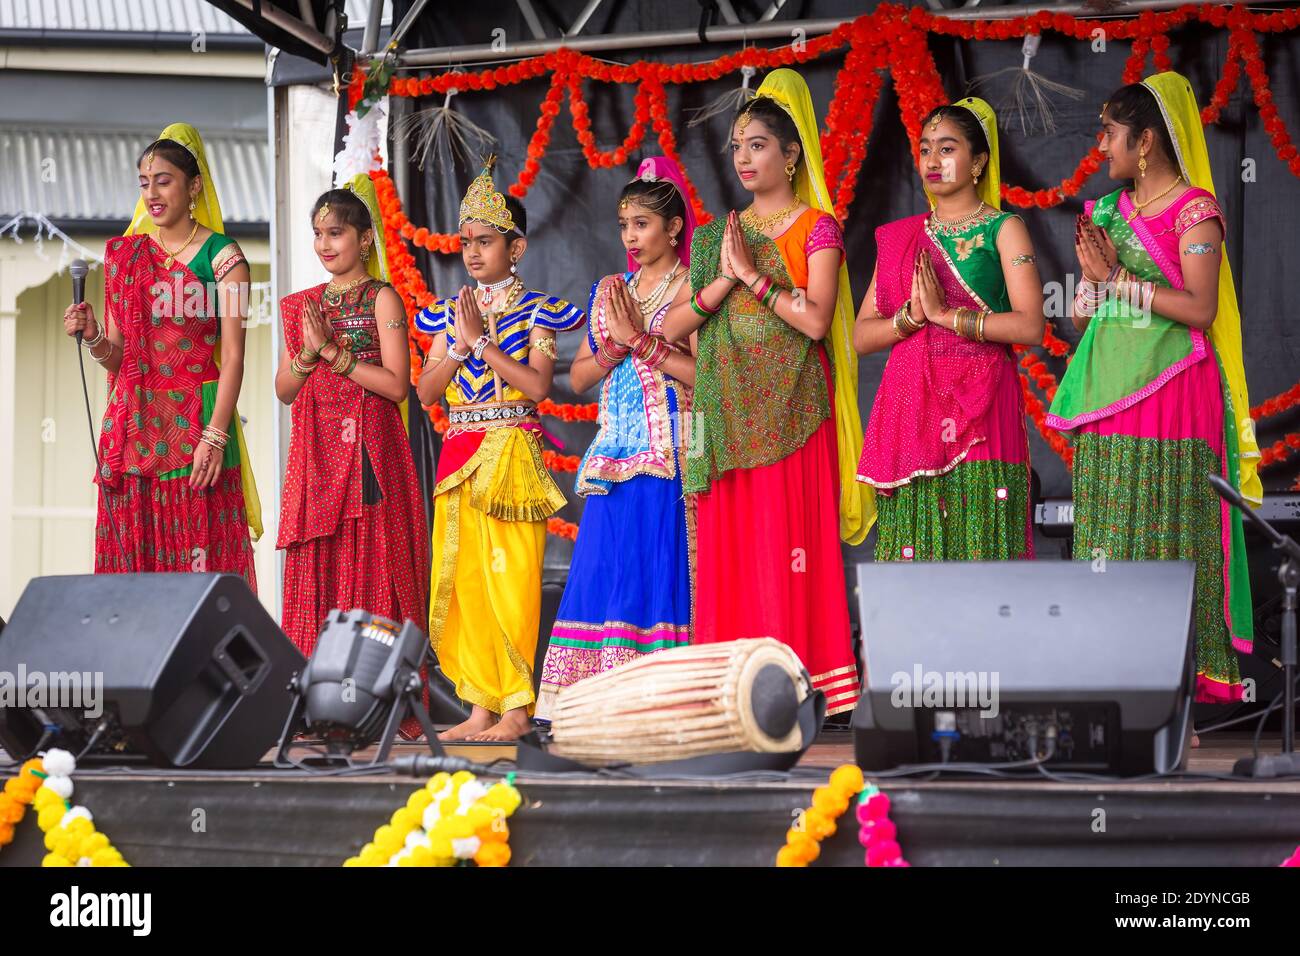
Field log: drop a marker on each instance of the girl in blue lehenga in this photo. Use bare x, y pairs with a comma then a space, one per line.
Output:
629, 591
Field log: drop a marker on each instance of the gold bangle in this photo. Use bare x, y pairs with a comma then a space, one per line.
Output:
340, 360
904, 315
302, 369
962, 323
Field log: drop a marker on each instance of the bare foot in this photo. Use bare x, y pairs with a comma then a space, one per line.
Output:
512, 725
1196, 741
480, 719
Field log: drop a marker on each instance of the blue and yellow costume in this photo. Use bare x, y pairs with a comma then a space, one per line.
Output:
493, 496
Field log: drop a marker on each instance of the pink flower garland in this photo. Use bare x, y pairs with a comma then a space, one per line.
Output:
878, 834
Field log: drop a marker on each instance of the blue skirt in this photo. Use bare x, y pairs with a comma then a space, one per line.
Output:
629, 589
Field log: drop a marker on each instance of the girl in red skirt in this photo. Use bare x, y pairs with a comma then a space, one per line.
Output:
352, 520
175, 489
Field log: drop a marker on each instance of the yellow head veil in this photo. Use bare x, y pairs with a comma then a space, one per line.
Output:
363, 187
857, 500
207, 210
989, 188
1183, 118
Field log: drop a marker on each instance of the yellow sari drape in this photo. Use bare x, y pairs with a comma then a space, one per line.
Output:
1183, 119
857, 500
363, 187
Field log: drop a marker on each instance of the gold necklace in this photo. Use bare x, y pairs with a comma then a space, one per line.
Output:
1139, 206
333, 294
650, 303
171, 256
958, 222
764, 223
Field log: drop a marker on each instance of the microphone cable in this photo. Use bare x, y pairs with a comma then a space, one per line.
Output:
94, 447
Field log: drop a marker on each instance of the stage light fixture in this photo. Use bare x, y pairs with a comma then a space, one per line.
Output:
362, 681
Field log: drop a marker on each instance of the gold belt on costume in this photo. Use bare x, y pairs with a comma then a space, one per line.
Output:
484, 416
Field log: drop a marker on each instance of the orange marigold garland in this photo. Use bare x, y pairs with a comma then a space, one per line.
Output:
1281, 449
1277, 404
816, 823
562, 529
903, 33
554, 461
582, 125
569, 413
892, 38
668, 143
17, 796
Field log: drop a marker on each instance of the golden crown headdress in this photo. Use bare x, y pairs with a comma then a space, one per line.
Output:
482, 202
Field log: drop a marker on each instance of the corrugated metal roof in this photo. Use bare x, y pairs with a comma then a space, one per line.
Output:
87, 175
135, 16
138, 16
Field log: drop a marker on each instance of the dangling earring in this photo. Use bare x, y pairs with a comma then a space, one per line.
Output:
975, 172
513, 270
789, 171
191, 210
365, 253
1142, 165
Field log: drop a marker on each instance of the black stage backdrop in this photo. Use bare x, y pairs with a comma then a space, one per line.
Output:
573, 234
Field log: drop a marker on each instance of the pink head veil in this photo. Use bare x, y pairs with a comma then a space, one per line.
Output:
661, 167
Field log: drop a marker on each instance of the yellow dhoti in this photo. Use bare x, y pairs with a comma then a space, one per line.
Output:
489, 537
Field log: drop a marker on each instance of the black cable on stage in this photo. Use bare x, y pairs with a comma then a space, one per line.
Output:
1232, 719
46, 737
100, 729
94, 446
1259, 728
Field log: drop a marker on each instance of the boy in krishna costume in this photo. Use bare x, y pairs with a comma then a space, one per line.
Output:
493, 358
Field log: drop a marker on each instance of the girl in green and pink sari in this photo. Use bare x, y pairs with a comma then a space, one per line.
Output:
1155, 392
946, 447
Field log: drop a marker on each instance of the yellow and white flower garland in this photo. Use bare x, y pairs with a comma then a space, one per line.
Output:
70, 835
453, 819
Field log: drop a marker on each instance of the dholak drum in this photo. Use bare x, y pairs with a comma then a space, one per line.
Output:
686, 702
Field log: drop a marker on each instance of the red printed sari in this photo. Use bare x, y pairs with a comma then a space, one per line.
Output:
352, 521
159, 401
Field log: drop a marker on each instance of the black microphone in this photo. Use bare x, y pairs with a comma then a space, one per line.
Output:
422, 765
78, 271
1230, 494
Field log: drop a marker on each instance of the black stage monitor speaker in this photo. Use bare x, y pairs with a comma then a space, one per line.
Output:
183, 670
1003, 662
